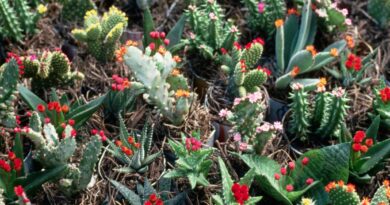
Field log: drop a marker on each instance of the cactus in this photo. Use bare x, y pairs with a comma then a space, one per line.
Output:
74, 10
381, 197
17, 20
51, 69
102, 34
2, 200
263, 13
9, 76
323, 117
160, 79
380, 10
134, 151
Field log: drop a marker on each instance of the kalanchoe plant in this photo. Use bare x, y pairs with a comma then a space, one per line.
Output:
210, 31
235, 193
133, 149
52, 151
295, 54
262, 14
18, 20
341, 194
249, 130
380, 10
51, 69
192, 161
22, 196
74, 10
165, 87
102, 34
323, 117
240, 64
382, 103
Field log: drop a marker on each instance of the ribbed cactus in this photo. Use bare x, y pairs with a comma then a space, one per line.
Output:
17, 20
380, 10
300, 112
51, 69
102, 34
9, 76
262, 14
340, 194
160, 80
74, 10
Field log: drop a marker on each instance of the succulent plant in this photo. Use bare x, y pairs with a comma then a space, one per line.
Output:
380, 10
164, 86
1, 197
323, 117
133, 149
74, 10
9, 75
102, 34
50, 70
382, 103
192, 162
17, 20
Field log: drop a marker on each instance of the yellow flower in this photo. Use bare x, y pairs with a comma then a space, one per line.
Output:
334, 52
177, 59
41, 9
175, 72
279, 23
306, 201
312, 50
162, 50
131, 43
321, 85
182, 93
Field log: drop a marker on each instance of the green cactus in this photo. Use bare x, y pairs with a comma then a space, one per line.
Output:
134, 151
381, 196
300, 112
380, 10
264, 20
52, 69
74, 10
102, 34
17, 20
153, 72
9, 75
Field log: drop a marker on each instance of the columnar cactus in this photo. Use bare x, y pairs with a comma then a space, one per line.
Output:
9, 76
17, 20
102, 34
165, 87
380, 10
300, 111
74, 10
51, 69
263, 13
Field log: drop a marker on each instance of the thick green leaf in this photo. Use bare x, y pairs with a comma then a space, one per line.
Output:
81, 114
227, 182
373, 156
128, 194
148, 26
304, 31
32, 100
176, 32
18, 149
280, 45
372, 131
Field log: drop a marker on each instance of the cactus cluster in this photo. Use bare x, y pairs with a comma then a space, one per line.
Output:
74, 10
102, 34
52, 151
380, 10
323, 117
18, 19
341, 194
210, 31
262, 14
240, 66
295, 54
133, 150
9, 76
165, 87
49, 70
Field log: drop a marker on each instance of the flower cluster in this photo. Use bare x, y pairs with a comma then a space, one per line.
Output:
358, 145
18, 61
119, 83
385, 94
17, 163
240, 193
128, 150
265, 70
254, 41
192, 144
288, 170
54, 105
19, 192
333, 185
157, 36
353, 62
154, 200
122, 50
100, 133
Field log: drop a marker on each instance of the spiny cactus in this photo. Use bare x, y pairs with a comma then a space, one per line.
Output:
9, 76
133, 150
165, 87
240, 66
263, 13
74, 10
51, 69
380, 10
322, 117
381, 196
17, 20
102, 34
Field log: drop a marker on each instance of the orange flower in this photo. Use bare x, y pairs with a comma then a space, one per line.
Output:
182, 93
162, 50
120, 53
118, 143
340, 183
334, 52
295, 71
279, 23
137, 145
126, 83
364, 148
127, 151
366, 201
243, 66
175, 72
312, 50
330, 186
381, 203
350, 41
386, 183
65, 108
177, 59
350, 188
130, 139
131, 43
292, 11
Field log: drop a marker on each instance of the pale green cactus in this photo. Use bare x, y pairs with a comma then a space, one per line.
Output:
102, 34
381, 196
9, 75
160, 79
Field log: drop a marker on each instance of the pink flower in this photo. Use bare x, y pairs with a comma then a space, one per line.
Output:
283, 170
224, 113
213, 16
236, 101
237, 137
290, 188
261, 7
321, 13
243, 146
338, 92
291, 165
344, 12
278, 126
309, 181
348, 22
263, 128
254, 97
297, 86
277, 176
233, 29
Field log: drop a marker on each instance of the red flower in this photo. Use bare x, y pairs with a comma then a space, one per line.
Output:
369, 142
305, 161
240, 193
192, 144
71, 122
283, 170
5, 166
152, 46
19, 191
265, 70
356, 147
73, 133
41, 108
353, 62
153, 198
359, 136
291, 165
385, 94
223, 51
290, 188
166, 41
259, 40
277, 176
309, 181
94, 131
18, 163
363, 148
11, 155
237, 45
47, 120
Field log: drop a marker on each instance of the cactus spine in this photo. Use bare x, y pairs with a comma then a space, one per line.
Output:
102, 34
9, 76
